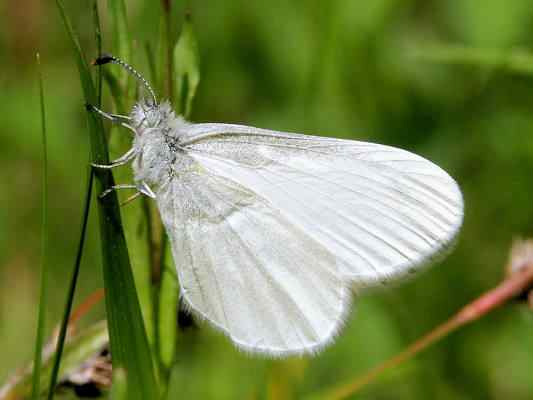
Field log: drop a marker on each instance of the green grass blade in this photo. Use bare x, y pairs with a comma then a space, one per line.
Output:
138, 236
121, 35
98, 39
120, 31
72, 288
168, 313
167, 43
186, 61
128, 341
150, 58
43, 298
513, 61
115, 90
119, 390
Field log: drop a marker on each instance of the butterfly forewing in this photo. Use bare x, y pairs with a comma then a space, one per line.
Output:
381, 211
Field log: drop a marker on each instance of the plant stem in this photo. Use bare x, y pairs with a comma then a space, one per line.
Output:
93, 299
510, 288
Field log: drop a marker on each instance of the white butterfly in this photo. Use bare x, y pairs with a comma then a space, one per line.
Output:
271, 232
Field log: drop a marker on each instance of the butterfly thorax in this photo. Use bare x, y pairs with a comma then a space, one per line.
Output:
157, 143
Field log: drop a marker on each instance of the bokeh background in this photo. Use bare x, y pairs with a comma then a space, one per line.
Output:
363, 70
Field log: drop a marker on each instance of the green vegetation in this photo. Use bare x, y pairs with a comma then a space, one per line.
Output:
452, 81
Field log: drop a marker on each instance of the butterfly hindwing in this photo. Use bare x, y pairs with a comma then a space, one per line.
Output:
248, 270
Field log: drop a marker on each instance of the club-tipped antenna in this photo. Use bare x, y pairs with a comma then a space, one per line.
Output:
108, 58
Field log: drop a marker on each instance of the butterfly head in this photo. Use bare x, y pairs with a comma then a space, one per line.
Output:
146, 114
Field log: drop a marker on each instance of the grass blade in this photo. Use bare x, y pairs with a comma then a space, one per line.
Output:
72, 289
167, 43
186, 61
138, 238
150, 58
168, 313
121, 37
128, 341
114, 88
120, 385
513, 61
98, 39
43, 298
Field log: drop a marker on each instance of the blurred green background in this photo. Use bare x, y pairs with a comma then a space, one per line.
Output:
362, 70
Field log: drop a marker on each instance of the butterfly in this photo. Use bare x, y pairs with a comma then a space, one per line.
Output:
272, 233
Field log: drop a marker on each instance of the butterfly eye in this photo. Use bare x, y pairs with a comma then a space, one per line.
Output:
148, 104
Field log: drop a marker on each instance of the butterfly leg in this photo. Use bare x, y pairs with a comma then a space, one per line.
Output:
122, 120
142, 188
116, 118
116, 187
124, 159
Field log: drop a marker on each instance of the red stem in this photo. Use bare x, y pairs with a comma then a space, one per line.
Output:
518, 283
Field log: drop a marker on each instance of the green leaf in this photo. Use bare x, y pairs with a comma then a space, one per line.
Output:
120, 385
43, 297
165, 69
128, 340
150, 57
116, 91
186, 64
168, 311
120, 34
515, 61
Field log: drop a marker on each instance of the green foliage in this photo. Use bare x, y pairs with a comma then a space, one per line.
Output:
119, 390
120, 32
71, 290
43, 287
462, 98
128, 340
168, 309
187, 69
514, 61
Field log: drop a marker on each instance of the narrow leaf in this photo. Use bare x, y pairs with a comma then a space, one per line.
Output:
150, 57
514, 61
128, 341
168, 312
114, 87
43, 297
71, 290
120, 32
120, 385
186, 62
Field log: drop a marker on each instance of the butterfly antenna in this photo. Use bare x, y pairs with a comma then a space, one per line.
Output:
108, 58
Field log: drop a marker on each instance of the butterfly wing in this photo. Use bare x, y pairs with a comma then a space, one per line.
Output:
381, 211
247, 269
